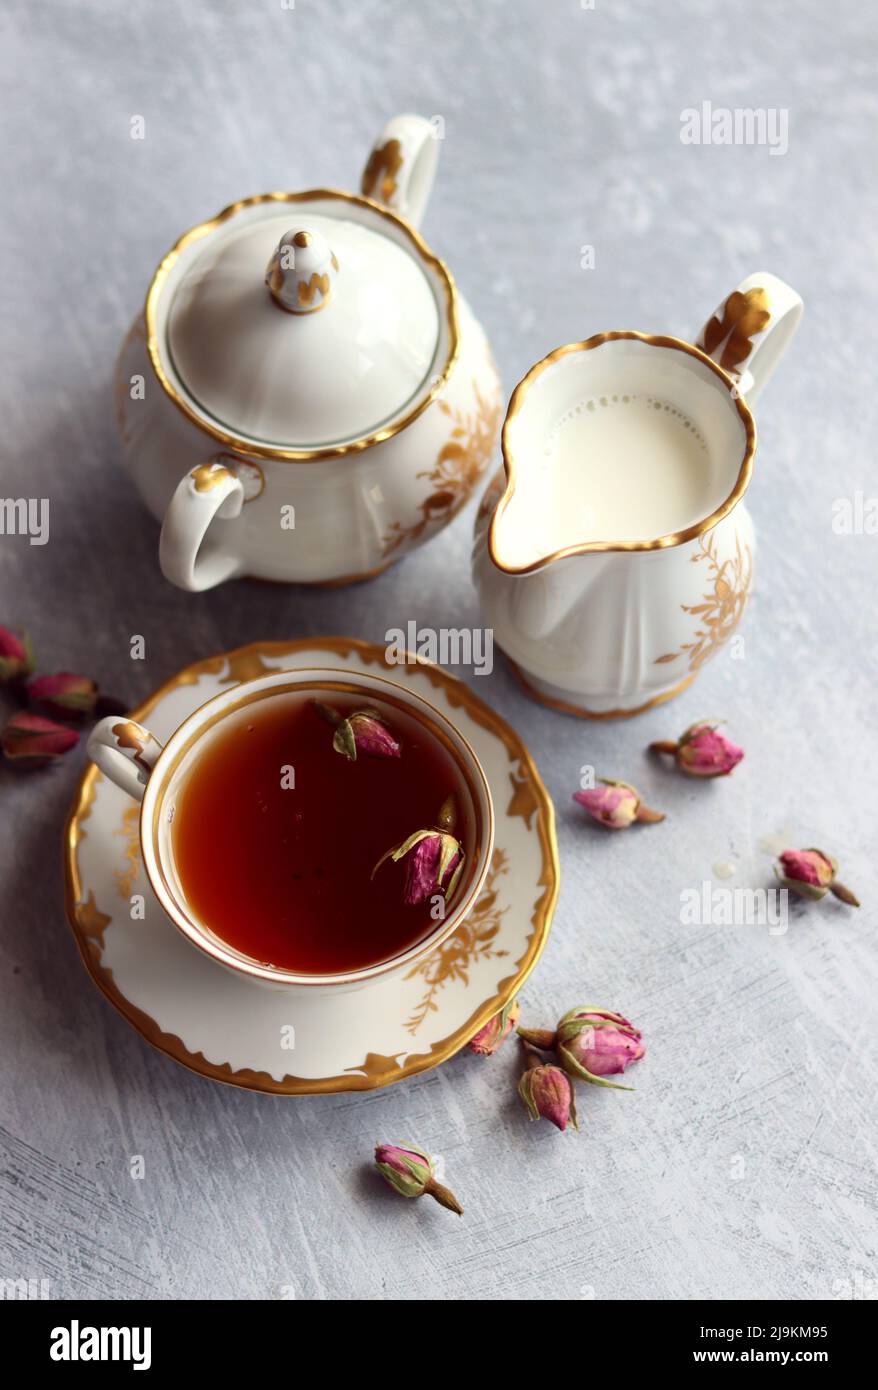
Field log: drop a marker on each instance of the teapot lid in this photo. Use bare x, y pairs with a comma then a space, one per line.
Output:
303, 329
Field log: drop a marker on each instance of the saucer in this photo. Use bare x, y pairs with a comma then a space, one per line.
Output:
229, 1029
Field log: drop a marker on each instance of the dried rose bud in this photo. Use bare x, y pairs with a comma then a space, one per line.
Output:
616, 805
410, 1172
811, 874
16, 654
547, 1092
591, 1043
31, 741
364, 731
496, 1030
434, 858
702, 751
65, 695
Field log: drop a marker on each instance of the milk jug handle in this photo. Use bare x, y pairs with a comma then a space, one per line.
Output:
751, 330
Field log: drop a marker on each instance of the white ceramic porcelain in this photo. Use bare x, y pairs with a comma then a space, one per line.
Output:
132, 757
615, 556
307, 397
218, 1022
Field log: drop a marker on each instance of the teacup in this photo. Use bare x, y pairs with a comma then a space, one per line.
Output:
616, 557
160, 776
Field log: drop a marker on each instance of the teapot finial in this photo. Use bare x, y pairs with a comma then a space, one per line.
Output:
302, 272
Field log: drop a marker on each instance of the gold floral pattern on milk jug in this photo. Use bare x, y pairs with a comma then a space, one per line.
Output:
722, 605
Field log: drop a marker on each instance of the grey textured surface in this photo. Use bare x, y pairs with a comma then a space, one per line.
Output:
745, 1163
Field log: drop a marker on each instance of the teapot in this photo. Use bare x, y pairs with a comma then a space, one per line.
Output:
614, 556
306, 396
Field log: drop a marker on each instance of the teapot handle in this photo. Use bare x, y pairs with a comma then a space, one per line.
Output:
189, 557
751, 330
400, 170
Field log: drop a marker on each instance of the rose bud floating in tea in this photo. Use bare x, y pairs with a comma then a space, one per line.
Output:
364, 731
433, 858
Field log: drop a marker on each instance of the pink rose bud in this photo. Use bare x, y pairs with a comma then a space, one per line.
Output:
364, 731
702, 751
16, 654
372, 736
616, 805
430, 864
65, 695
410, 1172
31, 741
591, 1043
433, 859
811, 874
496, 1030
547, 1093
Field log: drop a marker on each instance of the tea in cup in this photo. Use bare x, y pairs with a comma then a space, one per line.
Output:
275, 821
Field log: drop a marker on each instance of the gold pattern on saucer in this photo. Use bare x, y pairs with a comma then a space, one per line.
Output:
741, 318
379, 175
88, 923
742, 481
524, 802
579, 711
377, 1065
472, 941
130, 833
722, 605
406, 232
92, 922
245, 665
461, 462
207, 476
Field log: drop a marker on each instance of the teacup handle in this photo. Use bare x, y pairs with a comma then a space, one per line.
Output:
400, 170
188, 555
751, 330
125, 752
